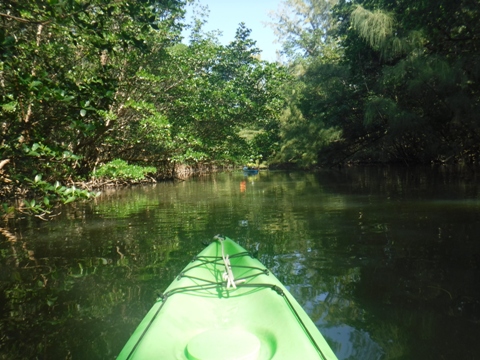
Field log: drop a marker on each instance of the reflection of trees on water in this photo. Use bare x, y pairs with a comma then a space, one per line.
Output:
60, 290
386, 239
326, 300
379, 262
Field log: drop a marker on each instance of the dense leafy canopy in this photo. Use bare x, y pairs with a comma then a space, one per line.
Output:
389, 81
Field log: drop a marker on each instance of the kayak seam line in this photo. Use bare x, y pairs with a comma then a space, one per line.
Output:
282, 293
164, 299
312, 340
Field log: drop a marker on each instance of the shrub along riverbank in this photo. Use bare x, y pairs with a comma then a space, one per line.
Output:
40, 198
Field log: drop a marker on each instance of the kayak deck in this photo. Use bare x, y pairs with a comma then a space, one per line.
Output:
225, 305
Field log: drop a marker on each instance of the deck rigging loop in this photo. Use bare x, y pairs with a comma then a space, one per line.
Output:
228, 274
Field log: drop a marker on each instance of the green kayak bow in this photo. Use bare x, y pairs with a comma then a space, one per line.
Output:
225, 305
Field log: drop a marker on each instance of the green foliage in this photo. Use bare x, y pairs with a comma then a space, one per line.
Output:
44, 193
374, 80
65, 76
303, 27
86, 83
398, 83
53, 193
120, 170
39, 150
379, 30
227, 90
375, 27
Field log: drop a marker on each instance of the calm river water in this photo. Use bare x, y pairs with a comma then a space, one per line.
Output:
386, 261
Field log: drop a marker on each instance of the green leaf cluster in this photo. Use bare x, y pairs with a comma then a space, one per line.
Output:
119, 169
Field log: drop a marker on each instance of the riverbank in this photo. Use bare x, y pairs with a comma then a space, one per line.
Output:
40, 198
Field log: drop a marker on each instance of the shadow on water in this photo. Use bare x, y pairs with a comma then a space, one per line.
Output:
384, 260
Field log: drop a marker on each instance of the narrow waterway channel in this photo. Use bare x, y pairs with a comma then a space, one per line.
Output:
386, 261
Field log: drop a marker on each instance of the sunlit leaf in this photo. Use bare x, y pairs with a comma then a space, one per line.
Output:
70, 199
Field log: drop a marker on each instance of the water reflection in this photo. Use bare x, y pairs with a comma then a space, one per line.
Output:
385, 261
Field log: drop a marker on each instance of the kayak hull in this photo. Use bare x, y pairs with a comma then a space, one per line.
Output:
199, 318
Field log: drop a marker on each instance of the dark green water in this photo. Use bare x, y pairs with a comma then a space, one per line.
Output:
385, 261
